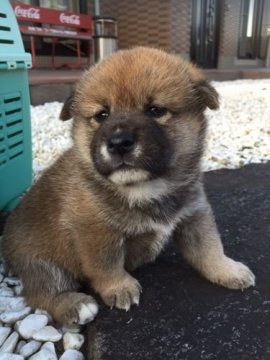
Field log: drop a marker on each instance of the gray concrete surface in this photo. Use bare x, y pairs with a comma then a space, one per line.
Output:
182, 316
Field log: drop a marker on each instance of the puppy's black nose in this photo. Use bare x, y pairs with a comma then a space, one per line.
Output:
121, 143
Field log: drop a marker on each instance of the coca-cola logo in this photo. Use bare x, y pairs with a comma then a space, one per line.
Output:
69, 19
29, 13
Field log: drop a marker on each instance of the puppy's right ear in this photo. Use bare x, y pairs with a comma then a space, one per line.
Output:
206, 94
66, 112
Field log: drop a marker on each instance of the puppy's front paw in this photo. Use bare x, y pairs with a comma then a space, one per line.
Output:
232, 274
77, 309
239, 276
87, 312
122, 294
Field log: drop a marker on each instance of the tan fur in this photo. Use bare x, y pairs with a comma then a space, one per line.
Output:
77, 225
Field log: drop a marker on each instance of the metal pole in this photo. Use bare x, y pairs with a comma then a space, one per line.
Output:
97, 7
268, 52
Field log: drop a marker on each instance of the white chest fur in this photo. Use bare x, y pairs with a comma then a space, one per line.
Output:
165, 229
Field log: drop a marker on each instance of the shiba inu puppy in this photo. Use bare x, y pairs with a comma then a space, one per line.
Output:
130, 182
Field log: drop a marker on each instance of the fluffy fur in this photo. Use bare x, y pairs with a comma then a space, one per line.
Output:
103, 208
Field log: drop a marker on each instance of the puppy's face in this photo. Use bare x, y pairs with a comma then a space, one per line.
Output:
138, 116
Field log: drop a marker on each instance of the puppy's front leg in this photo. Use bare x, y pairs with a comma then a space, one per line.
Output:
201, 245
103, 264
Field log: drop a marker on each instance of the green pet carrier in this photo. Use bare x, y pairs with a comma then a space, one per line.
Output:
15, 128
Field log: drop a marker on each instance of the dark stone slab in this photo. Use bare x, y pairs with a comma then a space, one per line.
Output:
52, 85
3, 217
181, 315
40, 94
56, 85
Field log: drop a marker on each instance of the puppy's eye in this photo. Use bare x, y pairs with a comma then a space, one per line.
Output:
155, 111
102, 115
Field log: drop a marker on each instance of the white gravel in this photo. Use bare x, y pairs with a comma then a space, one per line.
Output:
73, 341
28, 333
238, 134
30, 348
71, 355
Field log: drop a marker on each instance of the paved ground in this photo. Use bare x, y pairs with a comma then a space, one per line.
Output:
56, 85
182, 316
50, 76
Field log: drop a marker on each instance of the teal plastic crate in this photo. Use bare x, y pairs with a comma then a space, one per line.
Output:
15, 127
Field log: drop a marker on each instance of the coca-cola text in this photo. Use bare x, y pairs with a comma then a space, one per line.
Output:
30, 13
69, 19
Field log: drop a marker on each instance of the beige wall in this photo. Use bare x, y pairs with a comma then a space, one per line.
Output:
180, 23
157, 23
229, 27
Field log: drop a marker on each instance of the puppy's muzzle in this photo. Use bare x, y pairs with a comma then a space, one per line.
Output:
121, 143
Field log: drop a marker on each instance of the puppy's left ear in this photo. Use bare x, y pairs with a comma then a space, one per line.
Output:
66, 112
206, 93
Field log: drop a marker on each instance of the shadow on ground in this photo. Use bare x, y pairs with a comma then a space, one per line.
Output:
182, 316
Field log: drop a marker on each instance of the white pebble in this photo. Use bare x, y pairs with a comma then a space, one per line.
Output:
8, 303
47, 352
19, 346
31, 324
41, 312
6, 291
73, 341
30, 348
4, 332
13, 316
72, 355
18, 289
44, 312
8, 356
10, 343
47, 333
16, 326
2, 268
12, 281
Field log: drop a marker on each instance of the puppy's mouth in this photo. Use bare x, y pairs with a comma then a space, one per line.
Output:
124, 169
126, 175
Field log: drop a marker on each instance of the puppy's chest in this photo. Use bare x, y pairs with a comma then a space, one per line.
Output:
135, 222
160, 216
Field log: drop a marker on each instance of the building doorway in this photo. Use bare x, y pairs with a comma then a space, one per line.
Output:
205, 32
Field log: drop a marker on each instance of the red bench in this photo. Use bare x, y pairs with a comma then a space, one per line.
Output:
54, 24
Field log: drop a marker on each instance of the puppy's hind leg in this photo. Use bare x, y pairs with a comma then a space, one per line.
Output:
49, 287
200, 244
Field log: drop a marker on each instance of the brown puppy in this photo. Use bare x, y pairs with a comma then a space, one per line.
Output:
130, 182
